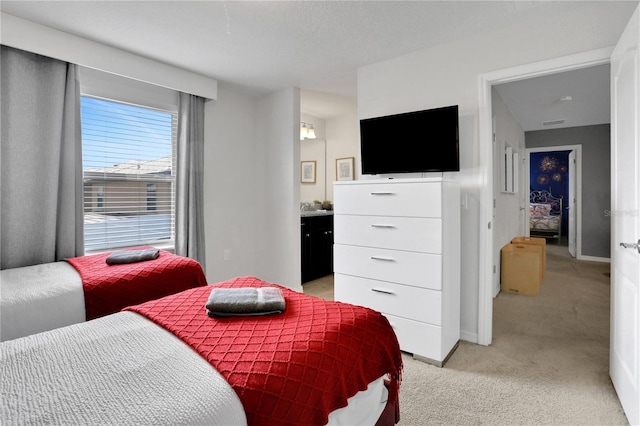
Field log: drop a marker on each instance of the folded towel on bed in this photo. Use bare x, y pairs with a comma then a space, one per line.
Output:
245, 301
132, 256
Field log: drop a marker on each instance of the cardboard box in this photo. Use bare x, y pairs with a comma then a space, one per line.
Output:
520, 270
542, 242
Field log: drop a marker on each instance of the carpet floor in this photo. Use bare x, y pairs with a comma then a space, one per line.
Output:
547, 365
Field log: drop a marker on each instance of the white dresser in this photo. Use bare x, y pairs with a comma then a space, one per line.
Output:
397, 250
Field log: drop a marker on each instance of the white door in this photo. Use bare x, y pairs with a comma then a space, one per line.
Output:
570, 207
624, 357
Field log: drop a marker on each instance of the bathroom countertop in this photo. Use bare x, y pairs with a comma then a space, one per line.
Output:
316, 213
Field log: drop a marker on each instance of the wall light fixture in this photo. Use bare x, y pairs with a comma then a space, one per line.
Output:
306, 131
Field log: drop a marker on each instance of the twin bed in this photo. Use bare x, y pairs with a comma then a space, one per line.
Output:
545, 215
42, 297
165, 361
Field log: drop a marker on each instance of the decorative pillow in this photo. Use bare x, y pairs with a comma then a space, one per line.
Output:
538, 211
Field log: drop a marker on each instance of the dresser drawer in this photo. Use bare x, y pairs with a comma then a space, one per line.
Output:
391, 232
415, 303
403, 267
389, 199
418, 338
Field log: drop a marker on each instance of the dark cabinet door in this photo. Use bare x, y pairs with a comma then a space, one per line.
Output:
317, 247
305, 237
325, 255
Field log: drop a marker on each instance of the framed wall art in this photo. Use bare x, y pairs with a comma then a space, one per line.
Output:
308, 171
344, 168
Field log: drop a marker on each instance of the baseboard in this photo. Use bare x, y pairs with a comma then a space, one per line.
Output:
594, 259
468, 336
496, 290
433, 361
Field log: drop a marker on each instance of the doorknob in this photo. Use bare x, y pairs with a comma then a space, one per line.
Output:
631, 245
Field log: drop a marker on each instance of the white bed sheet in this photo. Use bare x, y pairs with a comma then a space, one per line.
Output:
120, 369
38, 298
124, 369
364, 408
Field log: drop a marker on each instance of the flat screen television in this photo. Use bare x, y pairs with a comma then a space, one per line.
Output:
412, 142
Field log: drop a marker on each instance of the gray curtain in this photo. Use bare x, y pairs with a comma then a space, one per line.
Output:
190, 179
41, 216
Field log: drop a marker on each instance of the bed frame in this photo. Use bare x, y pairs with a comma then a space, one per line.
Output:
545, 214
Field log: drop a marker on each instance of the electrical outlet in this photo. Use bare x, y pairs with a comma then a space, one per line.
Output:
227, 254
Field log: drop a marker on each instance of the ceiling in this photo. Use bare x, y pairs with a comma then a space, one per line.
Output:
264, 46
577, 98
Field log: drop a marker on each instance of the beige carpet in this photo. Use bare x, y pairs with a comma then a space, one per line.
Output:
548, 363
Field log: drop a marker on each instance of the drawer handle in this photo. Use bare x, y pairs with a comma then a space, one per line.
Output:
380, 290
377, 225
382, 193
386, 259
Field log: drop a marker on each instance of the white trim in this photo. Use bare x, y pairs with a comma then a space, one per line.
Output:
578, 150
468, 337
485, 82
108, 86
485, 266
595, 259
26, 35
552, 66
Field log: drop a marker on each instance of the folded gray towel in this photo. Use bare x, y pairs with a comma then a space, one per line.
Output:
245, 301
132, 256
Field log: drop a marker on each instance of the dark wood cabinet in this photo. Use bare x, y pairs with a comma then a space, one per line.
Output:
316, 246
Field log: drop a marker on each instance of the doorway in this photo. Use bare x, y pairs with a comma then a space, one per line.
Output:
624, 113
558, 170
487, 81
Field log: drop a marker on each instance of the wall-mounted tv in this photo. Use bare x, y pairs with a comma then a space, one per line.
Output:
412, 142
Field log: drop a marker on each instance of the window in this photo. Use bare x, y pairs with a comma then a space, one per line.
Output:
128, 174
152, 196
100, 198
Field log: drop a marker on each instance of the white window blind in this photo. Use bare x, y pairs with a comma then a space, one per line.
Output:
129, 175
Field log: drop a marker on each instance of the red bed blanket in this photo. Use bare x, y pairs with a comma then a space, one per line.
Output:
109, 288
292, 368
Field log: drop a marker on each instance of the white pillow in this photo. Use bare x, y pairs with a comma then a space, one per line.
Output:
539, 210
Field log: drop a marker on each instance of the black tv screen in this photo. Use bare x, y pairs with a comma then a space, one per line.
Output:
420, 141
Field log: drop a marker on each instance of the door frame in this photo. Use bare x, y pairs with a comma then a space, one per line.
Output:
485, 82
573, 204
578, 151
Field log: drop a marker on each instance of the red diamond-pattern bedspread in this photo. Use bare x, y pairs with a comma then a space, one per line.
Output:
109, 288
292, 368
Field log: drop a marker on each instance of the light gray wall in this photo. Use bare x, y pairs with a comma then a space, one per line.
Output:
230, 186
277, 206
343, 141
251, 185
596, 180
507, 214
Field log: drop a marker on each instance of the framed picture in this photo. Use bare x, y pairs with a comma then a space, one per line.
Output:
308, 171
344, 168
